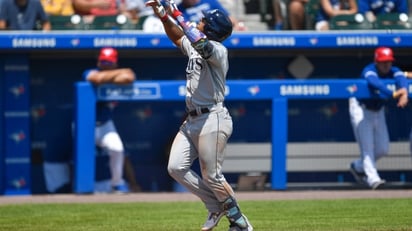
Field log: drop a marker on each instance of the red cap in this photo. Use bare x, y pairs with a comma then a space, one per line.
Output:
108, 54
384, 54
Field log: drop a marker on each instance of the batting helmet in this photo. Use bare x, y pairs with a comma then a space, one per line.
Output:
218, 25
384, 54
108, 54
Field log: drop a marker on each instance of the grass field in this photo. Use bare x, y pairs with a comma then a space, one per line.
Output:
328, 215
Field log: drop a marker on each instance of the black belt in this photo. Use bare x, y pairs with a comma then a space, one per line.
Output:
198, 113
374, 108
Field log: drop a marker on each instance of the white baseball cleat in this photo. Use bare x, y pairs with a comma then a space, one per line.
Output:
360, 177
235, 227
212, 220
377, 184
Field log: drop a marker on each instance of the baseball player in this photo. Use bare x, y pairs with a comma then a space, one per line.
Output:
106, 136
207, 128
368, 116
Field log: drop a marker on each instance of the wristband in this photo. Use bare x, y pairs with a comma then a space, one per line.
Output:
165, 18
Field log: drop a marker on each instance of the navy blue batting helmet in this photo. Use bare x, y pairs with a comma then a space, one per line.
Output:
218, 25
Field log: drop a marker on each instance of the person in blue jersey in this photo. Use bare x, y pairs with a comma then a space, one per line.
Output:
106, 135
192, 11
331, 8
23, 15
371, 8
368, 116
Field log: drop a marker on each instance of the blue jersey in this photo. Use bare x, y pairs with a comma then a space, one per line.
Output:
103, 109
22, 18
370, 73
194, 13
383, 6
336, 4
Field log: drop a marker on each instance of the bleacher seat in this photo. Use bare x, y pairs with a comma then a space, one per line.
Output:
112, 22
350, 22
399, 21
71, 22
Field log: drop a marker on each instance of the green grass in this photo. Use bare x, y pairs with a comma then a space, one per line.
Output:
328, 215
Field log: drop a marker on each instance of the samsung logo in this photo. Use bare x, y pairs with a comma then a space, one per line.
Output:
33, 42
274, 41
115, 42
357, 40
309, 90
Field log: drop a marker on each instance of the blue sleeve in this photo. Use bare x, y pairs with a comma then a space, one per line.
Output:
216, 5
375, 82
402, 6
86, 73
400, 78
363, 6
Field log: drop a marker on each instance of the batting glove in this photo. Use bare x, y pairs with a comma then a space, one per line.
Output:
158, 9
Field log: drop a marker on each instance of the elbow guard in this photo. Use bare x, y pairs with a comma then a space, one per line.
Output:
203, 47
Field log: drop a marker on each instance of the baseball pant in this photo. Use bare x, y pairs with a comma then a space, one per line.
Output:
203, 137
107, 138
371, 133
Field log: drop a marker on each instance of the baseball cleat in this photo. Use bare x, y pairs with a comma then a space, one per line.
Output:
246, 226
120, 189
378, 184
360, 177
212, 220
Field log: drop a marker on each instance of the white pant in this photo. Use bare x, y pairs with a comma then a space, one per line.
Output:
371, 133
107, 138
56, 175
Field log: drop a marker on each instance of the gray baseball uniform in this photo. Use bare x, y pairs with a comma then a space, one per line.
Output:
206, 130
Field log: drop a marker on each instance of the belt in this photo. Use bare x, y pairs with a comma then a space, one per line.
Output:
198, 113
374, 108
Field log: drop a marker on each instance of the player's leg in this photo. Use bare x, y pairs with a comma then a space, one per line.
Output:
212, 144
381, 145
182, 155
366, 132
356, 114
381, 136
363, 121
108, 139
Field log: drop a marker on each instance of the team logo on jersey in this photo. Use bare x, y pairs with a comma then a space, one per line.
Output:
18, 136
18, 90
352, 88
253, 90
